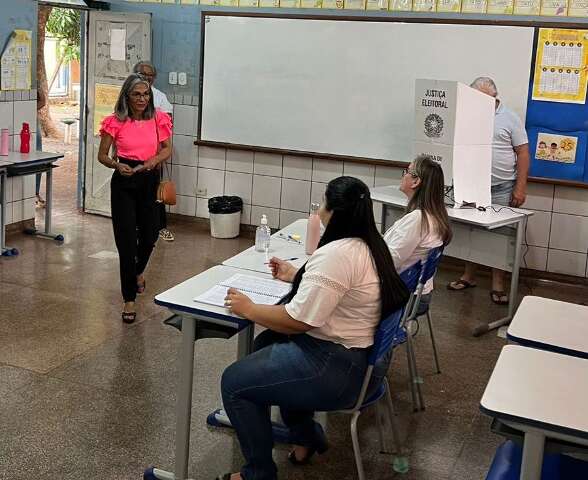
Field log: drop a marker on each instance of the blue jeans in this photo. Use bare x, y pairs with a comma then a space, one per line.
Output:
502, 193
298, 373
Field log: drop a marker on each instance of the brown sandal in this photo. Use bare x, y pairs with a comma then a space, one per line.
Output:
460, 284
497, 297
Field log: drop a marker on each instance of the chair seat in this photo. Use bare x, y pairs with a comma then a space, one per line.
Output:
507, 465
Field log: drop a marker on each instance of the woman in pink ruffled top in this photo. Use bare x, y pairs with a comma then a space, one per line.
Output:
139, 136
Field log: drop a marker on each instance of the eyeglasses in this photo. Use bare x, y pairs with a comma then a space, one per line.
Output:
412, 173
137, 96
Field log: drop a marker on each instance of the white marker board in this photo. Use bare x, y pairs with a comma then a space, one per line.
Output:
344, 87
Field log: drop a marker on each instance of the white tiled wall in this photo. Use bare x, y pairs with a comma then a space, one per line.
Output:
283, 187
16, 108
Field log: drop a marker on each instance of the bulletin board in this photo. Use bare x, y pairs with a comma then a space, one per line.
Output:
557, 117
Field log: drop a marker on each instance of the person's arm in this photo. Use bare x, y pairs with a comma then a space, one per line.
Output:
519, 193
161, 156
274, 317
103, 157
404, 237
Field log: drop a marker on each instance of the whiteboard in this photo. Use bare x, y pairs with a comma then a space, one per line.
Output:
344, 87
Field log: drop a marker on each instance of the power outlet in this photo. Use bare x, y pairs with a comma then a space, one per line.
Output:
201, 192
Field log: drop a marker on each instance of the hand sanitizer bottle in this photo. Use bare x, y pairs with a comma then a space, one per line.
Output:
262, 236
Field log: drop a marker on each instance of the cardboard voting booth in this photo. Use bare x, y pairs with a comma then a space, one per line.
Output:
454, 123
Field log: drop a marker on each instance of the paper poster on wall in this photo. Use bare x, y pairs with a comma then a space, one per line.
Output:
560, 66
473, 6
449, 6
16, 62
557, 8
333, 4
500, 7
424, 5
401, 5
376, 5
527, 7
556, 148
290, 3
264, 3
578, 8
354, 4
229, 3
118, 44
189, 2
105, 97
249, 3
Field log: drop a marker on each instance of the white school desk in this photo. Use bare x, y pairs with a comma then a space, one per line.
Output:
280, 246
552, 325
180, 300
542, 394
18, 164
477, 237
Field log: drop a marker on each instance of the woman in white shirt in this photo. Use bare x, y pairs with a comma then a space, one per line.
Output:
314, 354
425, 224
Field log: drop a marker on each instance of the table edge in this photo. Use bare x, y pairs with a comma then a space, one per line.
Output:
196, 311
534, 423
527, 342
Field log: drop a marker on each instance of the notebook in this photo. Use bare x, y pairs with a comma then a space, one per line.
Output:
264, 291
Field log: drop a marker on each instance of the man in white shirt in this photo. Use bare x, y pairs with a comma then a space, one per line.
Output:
147, 69
510, 167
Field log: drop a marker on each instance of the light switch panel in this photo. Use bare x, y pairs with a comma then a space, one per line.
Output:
173, 78
182, 78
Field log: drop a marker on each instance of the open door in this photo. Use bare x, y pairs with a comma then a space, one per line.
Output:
116, 42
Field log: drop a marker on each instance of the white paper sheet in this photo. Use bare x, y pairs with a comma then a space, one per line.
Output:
118, 42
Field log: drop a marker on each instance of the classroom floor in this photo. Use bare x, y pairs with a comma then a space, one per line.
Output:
83, 396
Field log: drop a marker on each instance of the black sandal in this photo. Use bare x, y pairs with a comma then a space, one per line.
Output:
320, 446
128, 317
497, 297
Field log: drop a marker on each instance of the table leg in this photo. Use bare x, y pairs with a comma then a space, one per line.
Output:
532, 461
48, 210
514, 284
245, 342
3, 212
184, 400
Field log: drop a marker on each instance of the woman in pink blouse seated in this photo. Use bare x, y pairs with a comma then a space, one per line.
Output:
314, 354
141, 139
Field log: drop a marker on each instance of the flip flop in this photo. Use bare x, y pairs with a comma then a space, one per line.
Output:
128, 317
460, 284
497, 295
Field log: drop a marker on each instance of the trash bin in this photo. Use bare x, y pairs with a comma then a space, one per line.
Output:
225, 216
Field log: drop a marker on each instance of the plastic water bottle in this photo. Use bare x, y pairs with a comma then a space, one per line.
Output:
313, 229
262, 236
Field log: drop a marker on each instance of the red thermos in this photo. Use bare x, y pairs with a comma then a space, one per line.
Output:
25, 139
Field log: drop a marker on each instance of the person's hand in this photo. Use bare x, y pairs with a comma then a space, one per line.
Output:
282, 270
124, 169
238, 303
518, 197
150, 165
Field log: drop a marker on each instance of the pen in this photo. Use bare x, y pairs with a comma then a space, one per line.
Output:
285, 260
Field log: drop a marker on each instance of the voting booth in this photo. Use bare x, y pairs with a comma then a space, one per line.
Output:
454, 123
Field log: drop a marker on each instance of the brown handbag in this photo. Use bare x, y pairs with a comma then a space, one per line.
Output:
166, 190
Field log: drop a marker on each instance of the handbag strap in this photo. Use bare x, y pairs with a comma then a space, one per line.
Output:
165, 166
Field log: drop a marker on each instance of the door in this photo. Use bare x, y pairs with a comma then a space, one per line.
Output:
115, 43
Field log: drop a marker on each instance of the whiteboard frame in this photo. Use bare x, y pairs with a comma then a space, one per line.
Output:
493, 20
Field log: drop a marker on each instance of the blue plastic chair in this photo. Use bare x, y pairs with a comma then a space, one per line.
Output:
383, 342
426, 272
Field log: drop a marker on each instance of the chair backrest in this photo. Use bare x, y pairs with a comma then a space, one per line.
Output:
431, 264
411, 276
387, 330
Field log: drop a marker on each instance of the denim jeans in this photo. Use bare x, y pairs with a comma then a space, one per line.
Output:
298, 373
502, 193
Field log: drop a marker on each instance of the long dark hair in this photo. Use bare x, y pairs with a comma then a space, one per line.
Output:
349, 200
122, 107
429, 197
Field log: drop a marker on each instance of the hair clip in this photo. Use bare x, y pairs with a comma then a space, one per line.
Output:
362, 196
